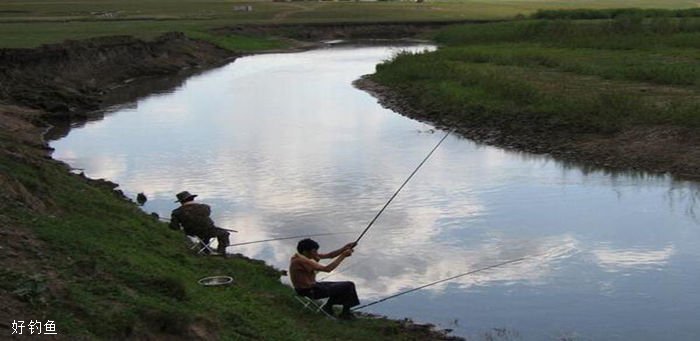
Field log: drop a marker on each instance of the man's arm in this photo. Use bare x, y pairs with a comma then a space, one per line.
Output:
334, 264
174, 222
335, 253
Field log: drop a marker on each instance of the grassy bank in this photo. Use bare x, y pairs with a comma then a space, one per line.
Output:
78, 254
558, 76
31, 23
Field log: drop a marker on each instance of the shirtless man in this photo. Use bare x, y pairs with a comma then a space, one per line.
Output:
302, 271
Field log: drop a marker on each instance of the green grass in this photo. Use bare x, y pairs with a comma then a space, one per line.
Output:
622, 33
557, 76
29, 23
118, 273
615, 13
673, 67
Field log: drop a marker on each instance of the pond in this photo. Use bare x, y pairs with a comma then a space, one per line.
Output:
283, 145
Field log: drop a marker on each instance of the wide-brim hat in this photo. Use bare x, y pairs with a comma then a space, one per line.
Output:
184, 195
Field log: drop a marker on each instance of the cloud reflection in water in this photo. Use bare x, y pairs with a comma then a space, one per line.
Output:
613, 260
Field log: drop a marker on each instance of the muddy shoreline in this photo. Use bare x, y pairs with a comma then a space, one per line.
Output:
656, 150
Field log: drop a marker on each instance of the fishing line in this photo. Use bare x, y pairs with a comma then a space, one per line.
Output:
440, 281
274, 239
400, 188
292, 237
223, 228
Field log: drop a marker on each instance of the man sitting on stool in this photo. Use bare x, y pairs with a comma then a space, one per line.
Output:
195, 221
302, 272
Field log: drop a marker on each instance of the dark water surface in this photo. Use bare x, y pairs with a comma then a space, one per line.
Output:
282, 145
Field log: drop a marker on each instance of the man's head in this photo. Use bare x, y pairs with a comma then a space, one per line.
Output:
308, 247
184, 197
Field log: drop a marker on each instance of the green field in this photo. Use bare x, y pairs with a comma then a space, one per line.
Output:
596, 76
28, 23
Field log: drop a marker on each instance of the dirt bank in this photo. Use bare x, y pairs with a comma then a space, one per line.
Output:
654, 149
76, 77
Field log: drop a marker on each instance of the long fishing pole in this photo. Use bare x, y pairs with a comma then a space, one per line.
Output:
292, 237
440, 281
401, 187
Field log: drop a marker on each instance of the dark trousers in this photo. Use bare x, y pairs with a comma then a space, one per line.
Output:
221, 236
337, 292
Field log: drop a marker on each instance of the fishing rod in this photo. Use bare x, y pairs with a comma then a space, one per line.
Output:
441, 281
401, 187
292, 237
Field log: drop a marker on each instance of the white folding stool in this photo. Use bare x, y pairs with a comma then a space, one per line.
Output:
314, 305
201, 246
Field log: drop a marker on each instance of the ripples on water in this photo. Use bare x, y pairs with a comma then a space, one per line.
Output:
283, 145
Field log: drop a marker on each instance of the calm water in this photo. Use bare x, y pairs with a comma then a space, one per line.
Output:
282, 145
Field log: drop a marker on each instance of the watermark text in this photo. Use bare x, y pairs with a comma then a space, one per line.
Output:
34, 327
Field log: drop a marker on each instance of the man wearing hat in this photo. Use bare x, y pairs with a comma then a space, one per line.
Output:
195, 221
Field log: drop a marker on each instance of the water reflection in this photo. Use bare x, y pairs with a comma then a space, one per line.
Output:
613, 260
282, 145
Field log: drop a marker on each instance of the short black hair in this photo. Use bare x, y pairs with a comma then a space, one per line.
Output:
306, 245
